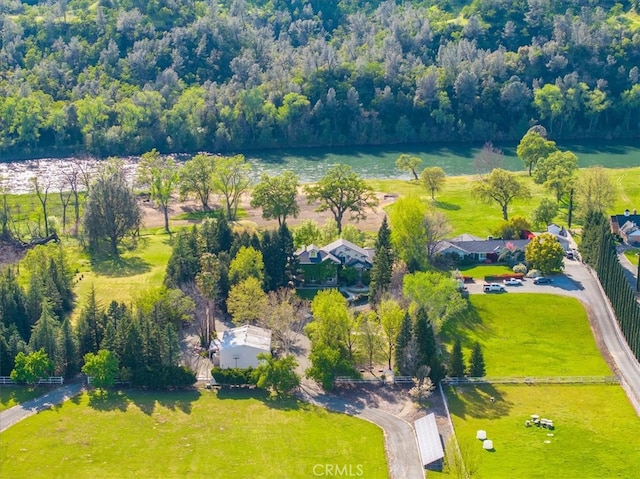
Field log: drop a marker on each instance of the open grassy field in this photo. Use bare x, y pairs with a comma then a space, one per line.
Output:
12, 395
122, 279
528, 335
594, 435
188, 434
542, 335
467, 215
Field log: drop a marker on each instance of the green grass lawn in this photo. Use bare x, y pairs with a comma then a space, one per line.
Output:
12, 395
595, 435
122, 279
482, 270
528, 335
179, 434
632, 255
539, 335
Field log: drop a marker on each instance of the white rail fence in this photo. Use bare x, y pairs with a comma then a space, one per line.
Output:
49, 380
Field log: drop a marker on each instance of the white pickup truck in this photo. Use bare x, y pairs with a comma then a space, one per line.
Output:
493, 287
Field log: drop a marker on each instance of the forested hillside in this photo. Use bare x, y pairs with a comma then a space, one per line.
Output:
119, 77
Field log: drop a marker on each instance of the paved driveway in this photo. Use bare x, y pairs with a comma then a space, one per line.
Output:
17, 413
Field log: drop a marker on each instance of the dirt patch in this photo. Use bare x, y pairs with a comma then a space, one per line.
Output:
10, 253
154, 218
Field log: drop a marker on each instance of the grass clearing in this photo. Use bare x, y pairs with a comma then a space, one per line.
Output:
123, 278
13, 395
528, 335
594, 427
482, 270
632, 255
178, 434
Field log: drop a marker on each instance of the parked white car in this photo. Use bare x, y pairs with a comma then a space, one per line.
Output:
493, 287
513, 282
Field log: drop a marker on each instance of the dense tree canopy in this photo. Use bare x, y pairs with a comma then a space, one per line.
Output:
124, 78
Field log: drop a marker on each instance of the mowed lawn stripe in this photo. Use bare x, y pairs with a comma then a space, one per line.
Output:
528, 335
140, 434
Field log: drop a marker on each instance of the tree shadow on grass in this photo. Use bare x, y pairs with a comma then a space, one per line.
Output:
443, 205
284, 403
120, 267
480, 401
178, 400
105, 400
465, 326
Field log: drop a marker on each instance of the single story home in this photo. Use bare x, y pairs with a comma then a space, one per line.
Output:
481, 250
320, 265
239, 347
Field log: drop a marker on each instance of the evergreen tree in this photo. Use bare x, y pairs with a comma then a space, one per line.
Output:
403, 350
184, 264
277, 253
90, 325
67, 350
171, 353
45, 332
457, 366
382, 262
476, 362
13, 304
225, 235
426, 353
6, 355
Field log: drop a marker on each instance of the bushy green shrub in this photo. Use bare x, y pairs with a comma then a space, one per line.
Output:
233, 376
520, 268
163, 377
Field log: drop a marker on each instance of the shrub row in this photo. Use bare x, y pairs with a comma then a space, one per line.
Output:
502, 277
233, 376
165, 377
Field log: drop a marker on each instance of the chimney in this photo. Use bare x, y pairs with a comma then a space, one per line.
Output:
626, 212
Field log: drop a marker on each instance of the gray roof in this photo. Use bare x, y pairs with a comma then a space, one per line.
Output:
487, 246
247, 335
326, 253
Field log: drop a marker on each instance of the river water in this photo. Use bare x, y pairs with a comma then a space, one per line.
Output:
312, 163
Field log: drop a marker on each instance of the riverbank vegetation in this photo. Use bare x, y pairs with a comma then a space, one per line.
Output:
117, 79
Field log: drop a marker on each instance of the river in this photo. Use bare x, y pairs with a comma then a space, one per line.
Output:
370, 162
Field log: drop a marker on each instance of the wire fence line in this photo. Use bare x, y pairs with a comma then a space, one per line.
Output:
531, 380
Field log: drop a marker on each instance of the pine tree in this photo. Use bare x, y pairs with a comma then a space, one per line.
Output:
426, 354
457, 366
45, 332
403, 360
90, 325
184, 262
476, 362
12, 304
382, 262
67, 350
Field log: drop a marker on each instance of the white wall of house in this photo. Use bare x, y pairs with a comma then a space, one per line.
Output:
241, 356
346, 254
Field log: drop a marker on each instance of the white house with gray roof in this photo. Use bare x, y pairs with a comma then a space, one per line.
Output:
239, 347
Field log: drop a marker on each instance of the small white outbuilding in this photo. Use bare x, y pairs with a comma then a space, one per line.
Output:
239, 347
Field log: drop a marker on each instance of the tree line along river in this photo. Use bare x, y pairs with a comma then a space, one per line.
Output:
370, 162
